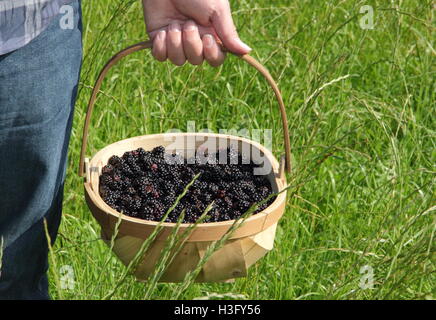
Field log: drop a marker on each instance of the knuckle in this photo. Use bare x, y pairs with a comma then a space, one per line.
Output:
229, 32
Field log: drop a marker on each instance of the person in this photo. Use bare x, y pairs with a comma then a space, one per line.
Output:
40, 62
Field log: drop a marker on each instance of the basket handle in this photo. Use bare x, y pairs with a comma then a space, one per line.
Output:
147, 45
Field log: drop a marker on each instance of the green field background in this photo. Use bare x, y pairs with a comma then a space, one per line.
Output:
361, 112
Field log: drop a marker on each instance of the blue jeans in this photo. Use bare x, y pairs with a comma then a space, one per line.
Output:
38, 86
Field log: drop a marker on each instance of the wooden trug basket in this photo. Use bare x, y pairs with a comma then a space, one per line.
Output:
246, 245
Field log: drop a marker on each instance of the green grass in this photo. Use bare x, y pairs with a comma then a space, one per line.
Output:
361, 111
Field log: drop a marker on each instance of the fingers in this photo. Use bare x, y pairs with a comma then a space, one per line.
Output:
179, 44
159, 50
174, 44
223, 23
212, 52
192, 44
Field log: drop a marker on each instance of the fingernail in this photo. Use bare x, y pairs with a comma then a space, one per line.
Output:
208, 40
243, 45
175, 27
161, 34
191, 27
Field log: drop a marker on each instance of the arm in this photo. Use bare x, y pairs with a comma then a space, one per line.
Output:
188, 30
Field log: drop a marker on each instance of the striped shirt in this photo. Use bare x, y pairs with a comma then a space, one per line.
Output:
23, 20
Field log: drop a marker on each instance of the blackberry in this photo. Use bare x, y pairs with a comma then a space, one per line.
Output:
257, 197
136, 170
145, 184
260, 181
104, 190
106, 179
155, 194
236, 173
265, 191
107, 169
213, 187
146, 188
125, 183
115, 161
158, 151
206, 197
221, 193
131, 191
127, 171
228, 202
134, 153
214, 215
141, 152
135, 204
126, 155
116, 183
111, 197
142, 181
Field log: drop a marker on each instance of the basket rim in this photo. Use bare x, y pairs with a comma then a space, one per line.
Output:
99, 202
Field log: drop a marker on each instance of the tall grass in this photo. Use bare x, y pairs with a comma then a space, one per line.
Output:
360, 105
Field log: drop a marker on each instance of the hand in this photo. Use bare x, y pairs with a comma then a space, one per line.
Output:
191, 29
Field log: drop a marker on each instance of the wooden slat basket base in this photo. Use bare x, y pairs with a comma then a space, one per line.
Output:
246, 245
229, 262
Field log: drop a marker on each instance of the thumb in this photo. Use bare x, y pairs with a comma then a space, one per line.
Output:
223, 24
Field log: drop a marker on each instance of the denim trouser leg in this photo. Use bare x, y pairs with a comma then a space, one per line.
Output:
38, 86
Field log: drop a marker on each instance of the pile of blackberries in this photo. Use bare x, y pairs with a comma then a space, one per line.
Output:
145, 184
